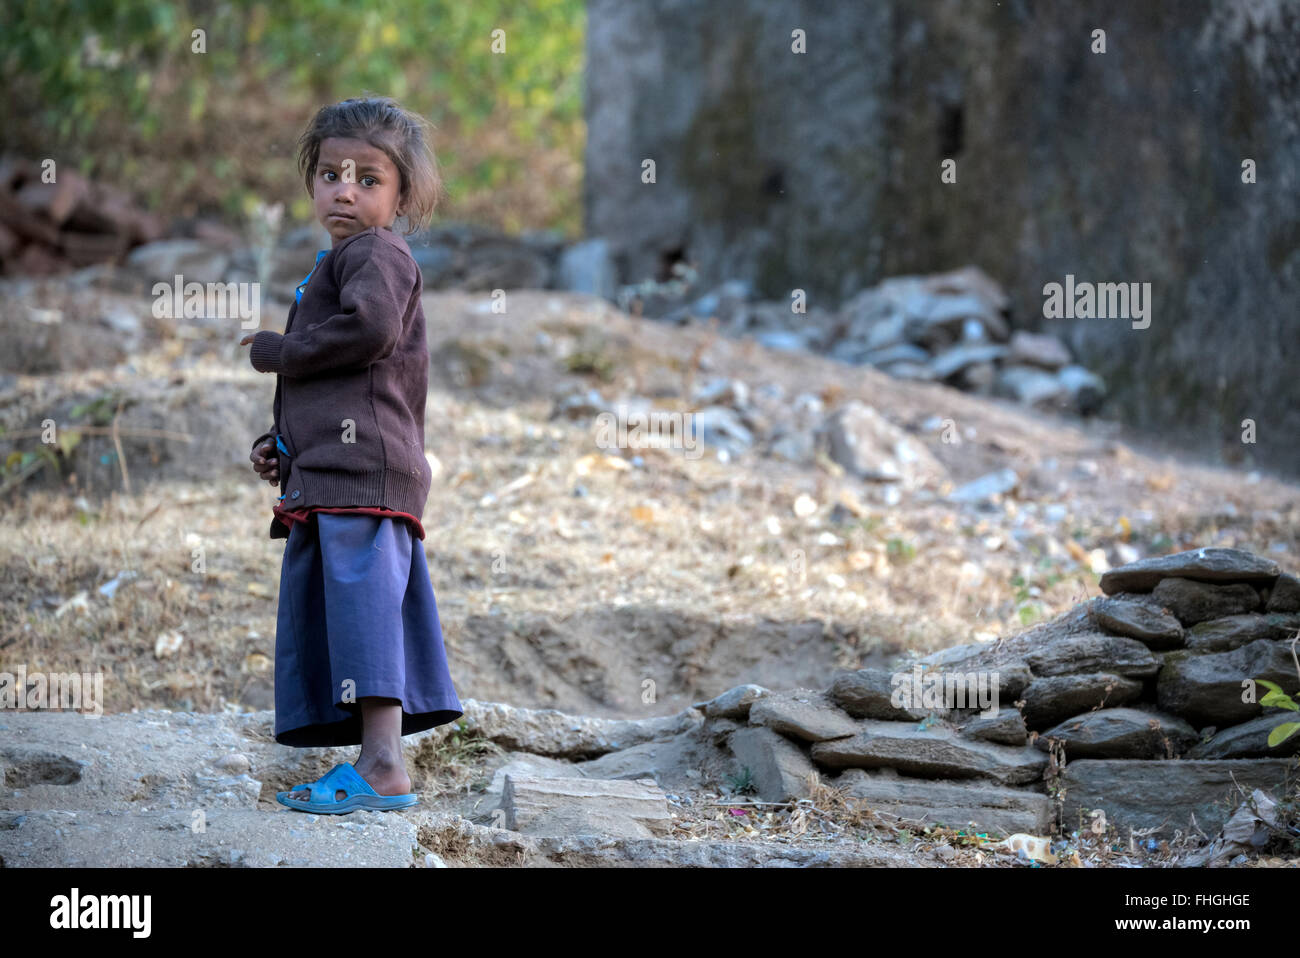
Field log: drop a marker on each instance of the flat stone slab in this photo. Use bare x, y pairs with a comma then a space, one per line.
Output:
146, 760
1122, 733
1208, 565
1052, 699
461, 842
561, 735
1165, 795
229, 837
1250, 739
1234, 631
683, 762
933, 752
565, 805
1092, 652
967, 804
1008, 662
733, 703
523, 765
1142, 620
869, 693
1192, 602
805, 714
1285, 594
1005, 728
1205, 689
779, 768
1068, 644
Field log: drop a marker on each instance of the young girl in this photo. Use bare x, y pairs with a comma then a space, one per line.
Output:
359, 657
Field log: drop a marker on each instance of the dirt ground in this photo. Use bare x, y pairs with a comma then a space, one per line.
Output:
568, 576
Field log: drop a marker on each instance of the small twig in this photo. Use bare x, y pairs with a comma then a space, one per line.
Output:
824, 816
149, 515
104, 431
117, 443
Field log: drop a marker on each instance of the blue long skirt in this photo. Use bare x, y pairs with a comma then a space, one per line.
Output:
357, 617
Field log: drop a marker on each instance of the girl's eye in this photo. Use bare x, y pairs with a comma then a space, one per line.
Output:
328, 173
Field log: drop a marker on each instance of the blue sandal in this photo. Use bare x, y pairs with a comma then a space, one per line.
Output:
357, 794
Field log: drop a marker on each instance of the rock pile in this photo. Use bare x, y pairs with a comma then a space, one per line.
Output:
949, 327
46, 227
733, 420
1127, 711
1132, 702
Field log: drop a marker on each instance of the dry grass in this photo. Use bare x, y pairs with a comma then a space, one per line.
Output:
566, 577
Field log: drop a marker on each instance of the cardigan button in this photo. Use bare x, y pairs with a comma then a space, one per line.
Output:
295, 494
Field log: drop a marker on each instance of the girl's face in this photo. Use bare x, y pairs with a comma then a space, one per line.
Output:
356, 187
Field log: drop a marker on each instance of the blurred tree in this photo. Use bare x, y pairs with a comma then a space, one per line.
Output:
205, 122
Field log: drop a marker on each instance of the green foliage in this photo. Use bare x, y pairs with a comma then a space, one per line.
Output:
463, 745
1029, 607
742, 784
1279, 699
591, 356
900, 550
119, 90
100, 409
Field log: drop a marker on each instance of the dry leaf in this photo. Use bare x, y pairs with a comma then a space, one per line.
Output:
78, 601
595, 461
167, 644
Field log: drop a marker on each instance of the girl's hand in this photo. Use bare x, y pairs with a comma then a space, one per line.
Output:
266, 461
247, 339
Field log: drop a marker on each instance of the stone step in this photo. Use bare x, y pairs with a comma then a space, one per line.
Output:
134, 760
984, 808
158, 759
1165, 795
934, 752
208, 837
557, 806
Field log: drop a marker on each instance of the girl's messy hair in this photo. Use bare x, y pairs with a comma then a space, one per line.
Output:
384, 124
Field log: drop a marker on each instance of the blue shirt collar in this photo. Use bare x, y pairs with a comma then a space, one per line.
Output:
297, 297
